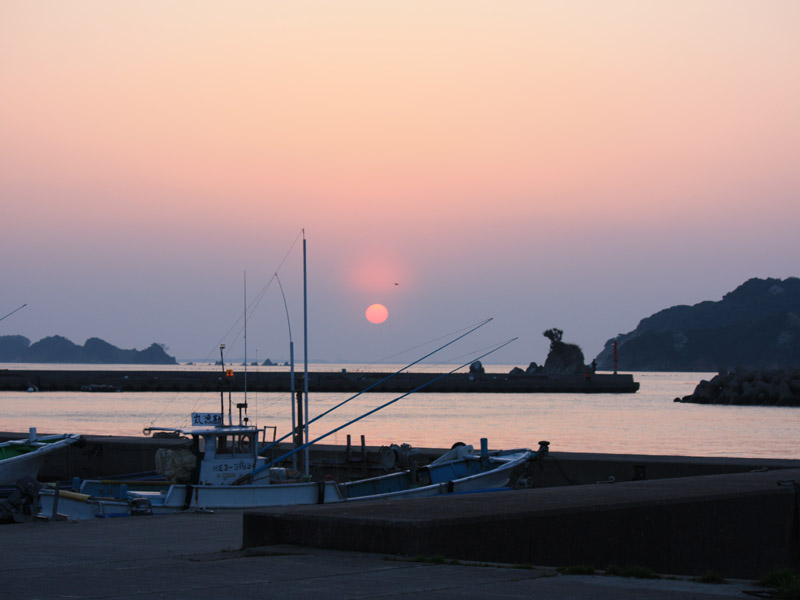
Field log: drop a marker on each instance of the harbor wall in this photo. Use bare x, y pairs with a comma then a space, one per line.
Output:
279, 381
742, 525
102, 456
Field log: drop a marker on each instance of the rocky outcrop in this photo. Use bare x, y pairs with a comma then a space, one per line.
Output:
756, 326
775, 387
58, 349
562, 359
565, 359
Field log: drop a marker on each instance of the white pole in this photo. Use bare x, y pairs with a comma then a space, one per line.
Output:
291, 400
305, 349
292, 389
245, 341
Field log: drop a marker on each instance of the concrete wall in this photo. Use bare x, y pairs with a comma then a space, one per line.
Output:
100, 456
736, 525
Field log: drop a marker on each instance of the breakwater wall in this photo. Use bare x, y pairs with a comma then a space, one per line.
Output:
280, 381
101, 456
741, 525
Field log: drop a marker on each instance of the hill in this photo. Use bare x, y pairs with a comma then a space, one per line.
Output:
756, 326
58, 349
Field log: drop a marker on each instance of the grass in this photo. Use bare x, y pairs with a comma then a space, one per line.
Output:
436, 559
710, 577
786, 583
633, 571
577, 570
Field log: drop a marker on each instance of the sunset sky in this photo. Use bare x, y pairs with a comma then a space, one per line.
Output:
571, 164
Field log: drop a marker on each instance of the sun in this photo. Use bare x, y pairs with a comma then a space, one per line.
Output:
377, 313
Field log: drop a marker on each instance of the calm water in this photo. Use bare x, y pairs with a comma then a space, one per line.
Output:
648, 422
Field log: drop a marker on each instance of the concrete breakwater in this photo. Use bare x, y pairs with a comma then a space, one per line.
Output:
279, 381
741, 525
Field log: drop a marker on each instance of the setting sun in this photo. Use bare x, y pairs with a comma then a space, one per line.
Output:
377, 313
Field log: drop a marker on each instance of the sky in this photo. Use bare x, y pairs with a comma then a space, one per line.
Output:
572, 164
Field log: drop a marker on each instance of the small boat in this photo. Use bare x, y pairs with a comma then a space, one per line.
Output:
23, 458
457, 471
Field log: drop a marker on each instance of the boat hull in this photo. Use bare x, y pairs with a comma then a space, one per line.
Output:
174, 499
468, 474
24, 458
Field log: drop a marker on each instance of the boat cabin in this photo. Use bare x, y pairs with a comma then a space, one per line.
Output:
222, 453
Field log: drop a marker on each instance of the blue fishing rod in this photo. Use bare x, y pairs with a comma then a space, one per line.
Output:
368, 388
249, 476
13, 311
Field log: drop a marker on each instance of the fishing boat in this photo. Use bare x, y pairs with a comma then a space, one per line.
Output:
204, 478
457, 471
24, 458
200, 478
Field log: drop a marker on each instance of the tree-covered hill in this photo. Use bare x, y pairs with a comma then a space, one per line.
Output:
755, 326
58, 349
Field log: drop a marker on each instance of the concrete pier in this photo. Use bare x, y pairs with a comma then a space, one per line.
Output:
677, 515
741, 525
198, 556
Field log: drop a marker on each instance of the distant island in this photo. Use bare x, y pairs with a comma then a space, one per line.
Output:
756, 326
58, 349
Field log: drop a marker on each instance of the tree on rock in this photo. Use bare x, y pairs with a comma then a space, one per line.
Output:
563, 358
554, 335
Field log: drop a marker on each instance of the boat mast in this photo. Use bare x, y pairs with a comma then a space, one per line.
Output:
305, 350
221, 388
245, 343
291, 373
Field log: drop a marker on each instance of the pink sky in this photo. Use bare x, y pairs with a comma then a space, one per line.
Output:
571, 164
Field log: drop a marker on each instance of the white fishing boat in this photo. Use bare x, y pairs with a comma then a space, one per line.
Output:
200, 478
24, 458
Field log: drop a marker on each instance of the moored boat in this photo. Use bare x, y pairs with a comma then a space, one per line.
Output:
460, 470
23, 458
198, 479
206, 478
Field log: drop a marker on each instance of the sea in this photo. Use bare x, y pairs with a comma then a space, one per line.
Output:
647, 422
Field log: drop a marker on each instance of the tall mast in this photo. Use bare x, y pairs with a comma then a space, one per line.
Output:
221, 388
305, 348
245, 341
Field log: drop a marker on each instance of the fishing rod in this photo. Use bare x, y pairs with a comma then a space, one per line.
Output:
366, 389
13, 311
249, 476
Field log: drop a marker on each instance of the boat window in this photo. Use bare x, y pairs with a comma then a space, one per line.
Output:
244, 444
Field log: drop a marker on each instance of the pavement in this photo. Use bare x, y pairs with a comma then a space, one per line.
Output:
198, 556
